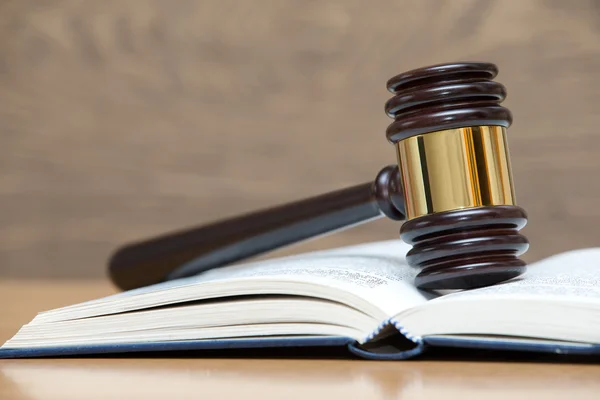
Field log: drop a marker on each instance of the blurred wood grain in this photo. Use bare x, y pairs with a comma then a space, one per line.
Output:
123, 119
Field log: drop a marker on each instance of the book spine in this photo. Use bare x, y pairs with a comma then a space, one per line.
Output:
378, 346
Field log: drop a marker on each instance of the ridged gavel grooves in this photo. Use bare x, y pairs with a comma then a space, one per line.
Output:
463, 248
449, 130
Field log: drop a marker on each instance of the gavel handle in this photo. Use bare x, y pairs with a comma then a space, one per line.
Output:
188, 252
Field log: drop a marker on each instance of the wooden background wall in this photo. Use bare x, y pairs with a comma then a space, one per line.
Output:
122, 119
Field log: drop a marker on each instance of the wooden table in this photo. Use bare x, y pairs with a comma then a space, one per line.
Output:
166, 378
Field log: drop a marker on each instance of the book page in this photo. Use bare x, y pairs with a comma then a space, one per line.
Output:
570, 275
375, 272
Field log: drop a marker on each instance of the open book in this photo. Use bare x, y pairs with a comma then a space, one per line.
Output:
358, 297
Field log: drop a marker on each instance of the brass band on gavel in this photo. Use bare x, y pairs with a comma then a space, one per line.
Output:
455, 169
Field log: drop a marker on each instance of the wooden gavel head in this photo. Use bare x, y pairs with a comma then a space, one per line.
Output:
449, 132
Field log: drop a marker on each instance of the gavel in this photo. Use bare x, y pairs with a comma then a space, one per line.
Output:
452, 189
